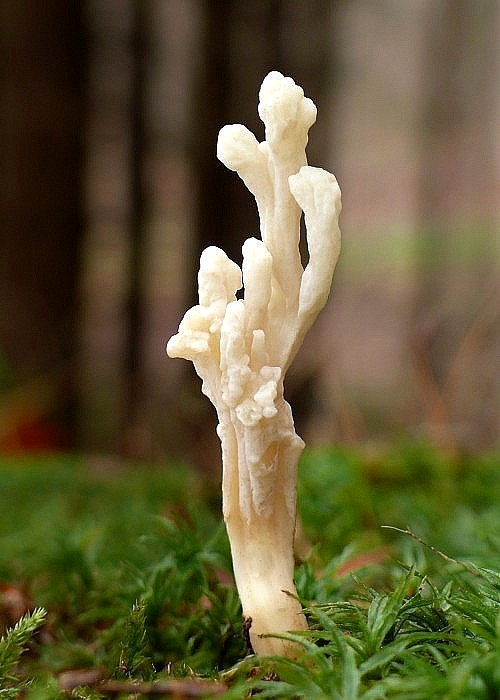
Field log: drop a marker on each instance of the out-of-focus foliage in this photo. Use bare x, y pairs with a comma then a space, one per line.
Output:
451, 502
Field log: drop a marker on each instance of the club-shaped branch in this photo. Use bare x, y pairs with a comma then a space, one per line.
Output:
241, 349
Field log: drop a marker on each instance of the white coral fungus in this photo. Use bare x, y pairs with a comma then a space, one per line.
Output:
241, 348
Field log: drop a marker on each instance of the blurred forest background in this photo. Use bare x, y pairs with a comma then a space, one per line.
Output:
110, 188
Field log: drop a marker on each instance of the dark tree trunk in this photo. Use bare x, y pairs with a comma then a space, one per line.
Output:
132, 442
42, 50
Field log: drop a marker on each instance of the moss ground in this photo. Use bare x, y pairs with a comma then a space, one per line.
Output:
131, 565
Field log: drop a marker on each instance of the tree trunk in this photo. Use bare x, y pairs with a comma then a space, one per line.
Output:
133, 430
42, 50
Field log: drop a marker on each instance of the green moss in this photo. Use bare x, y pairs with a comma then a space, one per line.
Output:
132, 566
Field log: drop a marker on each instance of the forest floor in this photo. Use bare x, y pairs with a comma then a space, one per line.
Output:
115, 580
